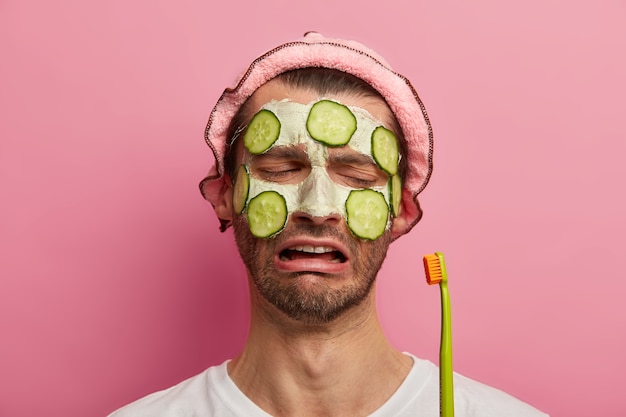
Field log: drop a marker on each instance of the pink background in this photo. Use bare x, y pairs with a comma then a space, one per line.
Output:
115, 281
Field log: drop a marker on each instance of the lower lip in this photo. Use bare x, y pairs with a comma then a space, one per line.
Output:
310, 265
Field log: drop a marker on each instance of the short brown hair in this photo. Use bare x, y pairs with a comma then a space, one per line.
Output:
322, 81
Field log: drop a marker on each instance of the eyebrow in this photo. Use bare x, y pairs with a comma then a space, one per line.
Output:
350, 158
282, 152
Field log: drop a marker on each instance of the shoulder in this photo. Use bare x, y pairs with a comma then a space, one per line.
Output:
190, 397
471, 398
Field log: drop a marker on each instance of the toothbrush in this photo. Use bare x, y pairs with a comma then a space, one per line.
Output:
435, 267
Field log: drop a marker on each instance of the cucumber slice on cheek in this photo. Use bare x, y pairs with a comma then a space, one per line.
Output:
267, 214
395, 190
262, 131
241, 189
368, 213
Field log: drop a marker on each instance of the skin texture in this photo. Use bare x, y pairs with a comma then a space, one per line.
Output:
314, 336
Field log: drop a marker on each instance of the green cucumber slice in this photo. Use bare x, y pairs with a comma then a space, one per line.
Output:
241, 189
331, 123
385, 150
395, 190
262, 132
267, 214
367, 213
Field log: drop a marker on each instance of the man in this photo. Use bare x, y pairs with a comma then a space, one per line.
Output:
321, 150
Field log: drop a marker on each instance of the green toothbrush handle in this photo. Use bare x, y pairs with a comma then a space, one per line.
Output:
445, 355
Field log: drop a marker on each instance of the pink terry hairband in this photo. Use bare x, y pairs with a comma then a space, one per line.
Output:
314, 50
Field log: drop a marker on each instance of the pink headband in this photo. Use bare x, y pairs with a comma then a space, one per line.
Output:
314, 50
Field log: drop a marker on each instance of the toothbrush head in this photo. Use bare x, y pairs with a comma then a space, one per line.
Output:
435, 268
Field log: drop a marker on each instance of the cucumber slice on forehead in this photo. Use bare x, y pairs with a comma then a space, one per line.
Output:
331, 123
367, 213
267, 214
385, 150
262, 131
241, 189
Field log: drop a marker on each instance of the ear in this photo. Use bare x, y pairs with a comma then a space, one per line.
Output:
408, 216
223, 204
399, 226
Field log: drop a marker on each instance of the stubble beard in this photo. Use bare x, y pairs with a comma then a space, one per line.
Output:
318, 304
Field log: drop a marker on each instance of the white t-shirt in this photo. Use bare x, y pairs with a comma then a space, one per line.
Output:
213, 394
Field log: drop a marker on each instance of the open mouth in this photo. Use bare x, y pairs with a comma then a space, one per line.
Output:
309, 252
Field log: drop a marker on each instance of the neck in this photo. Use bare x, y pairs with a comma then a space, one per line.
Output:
290, 368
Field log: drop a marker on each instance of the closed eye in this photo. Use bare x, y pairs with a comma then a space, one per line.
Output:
277, 173
358, 180
355, 169
283, 164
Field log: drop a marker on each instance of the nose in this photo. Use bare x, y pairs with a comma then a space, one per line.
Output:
304, 217
319, 199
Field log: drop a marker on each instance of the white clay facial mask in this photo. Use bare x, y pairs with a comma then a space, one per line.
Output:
320, 158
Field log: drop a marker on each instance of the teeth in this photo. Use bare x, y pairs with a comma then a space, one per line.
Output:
312, 249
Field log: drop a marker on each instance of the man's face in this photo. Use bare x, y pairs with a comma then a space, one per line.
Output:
315, 267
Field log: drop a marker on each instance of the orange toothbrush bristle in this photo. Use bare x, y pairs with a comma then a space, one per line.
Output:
432, 266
